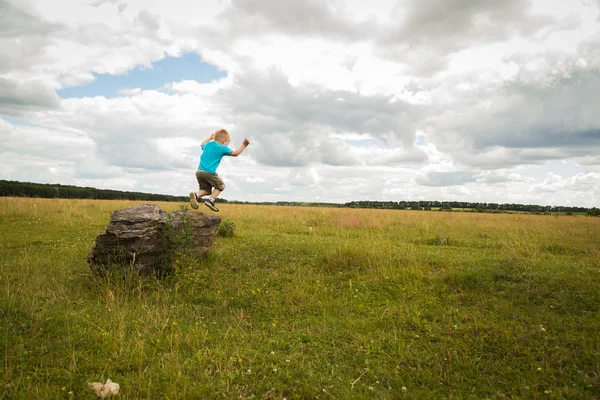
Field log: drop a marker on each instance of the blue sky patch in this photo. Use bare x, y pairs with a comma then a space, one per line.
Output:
170, 69
19, 122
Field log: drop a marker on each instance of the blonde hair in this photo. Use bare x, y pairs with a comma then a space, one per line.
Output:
221, 135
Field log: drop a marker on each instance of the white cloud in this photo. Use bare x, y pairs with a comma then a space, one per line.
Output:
5, 127
580, 183
256, 179
446, 178
16, 98
342, 100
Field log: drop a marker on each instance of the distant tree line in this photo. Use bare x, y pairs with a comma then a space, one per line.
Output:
27, 189
475, 206
286, 203
51, 191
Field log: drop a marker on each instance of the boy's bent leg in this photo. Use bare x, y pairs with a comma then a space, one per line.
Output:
210, 203
204, 187
193, 201
215, 182
201, 193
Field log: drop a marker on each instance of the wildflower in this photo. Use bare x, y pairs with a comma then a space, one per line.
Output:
539, 368
404, 389
371, 388
542, 329
274, 369
272, 353
70, 393
64, 388
287, 361
174, 323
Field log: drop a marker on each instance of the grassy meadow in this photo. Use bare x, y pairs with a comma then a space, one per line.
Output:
306, 303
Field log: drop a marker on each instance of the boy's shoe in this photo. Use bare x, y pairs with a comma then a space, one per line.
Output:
193, 200
211, 204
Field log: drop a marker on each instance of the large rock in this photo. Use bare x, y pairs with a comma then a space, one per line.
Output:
146, 238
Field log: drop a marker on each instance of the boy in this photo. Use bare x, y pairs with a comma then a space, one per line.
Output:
206, 175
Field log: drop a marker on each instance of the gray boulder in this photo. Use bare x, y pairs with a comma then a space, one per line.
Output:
146, 238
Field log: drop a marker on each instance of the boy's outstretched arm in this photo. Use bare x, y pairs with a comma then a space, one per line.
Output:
208, 139
237, 152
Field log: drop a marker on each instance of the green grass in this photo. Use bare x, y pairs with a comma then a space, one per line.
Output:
305, 303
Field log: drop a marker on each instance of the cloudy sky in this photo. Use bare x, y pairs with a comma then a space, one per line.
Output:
470, 100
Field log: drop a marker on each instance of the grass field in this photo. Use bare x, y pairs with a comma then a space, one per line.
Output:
306, 303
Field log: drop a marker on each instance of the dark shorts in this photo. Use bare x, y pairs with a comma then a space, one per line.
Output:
208, 181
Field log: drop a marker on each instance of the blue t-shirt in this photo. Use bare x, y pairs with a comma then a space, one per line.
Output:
212, 152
